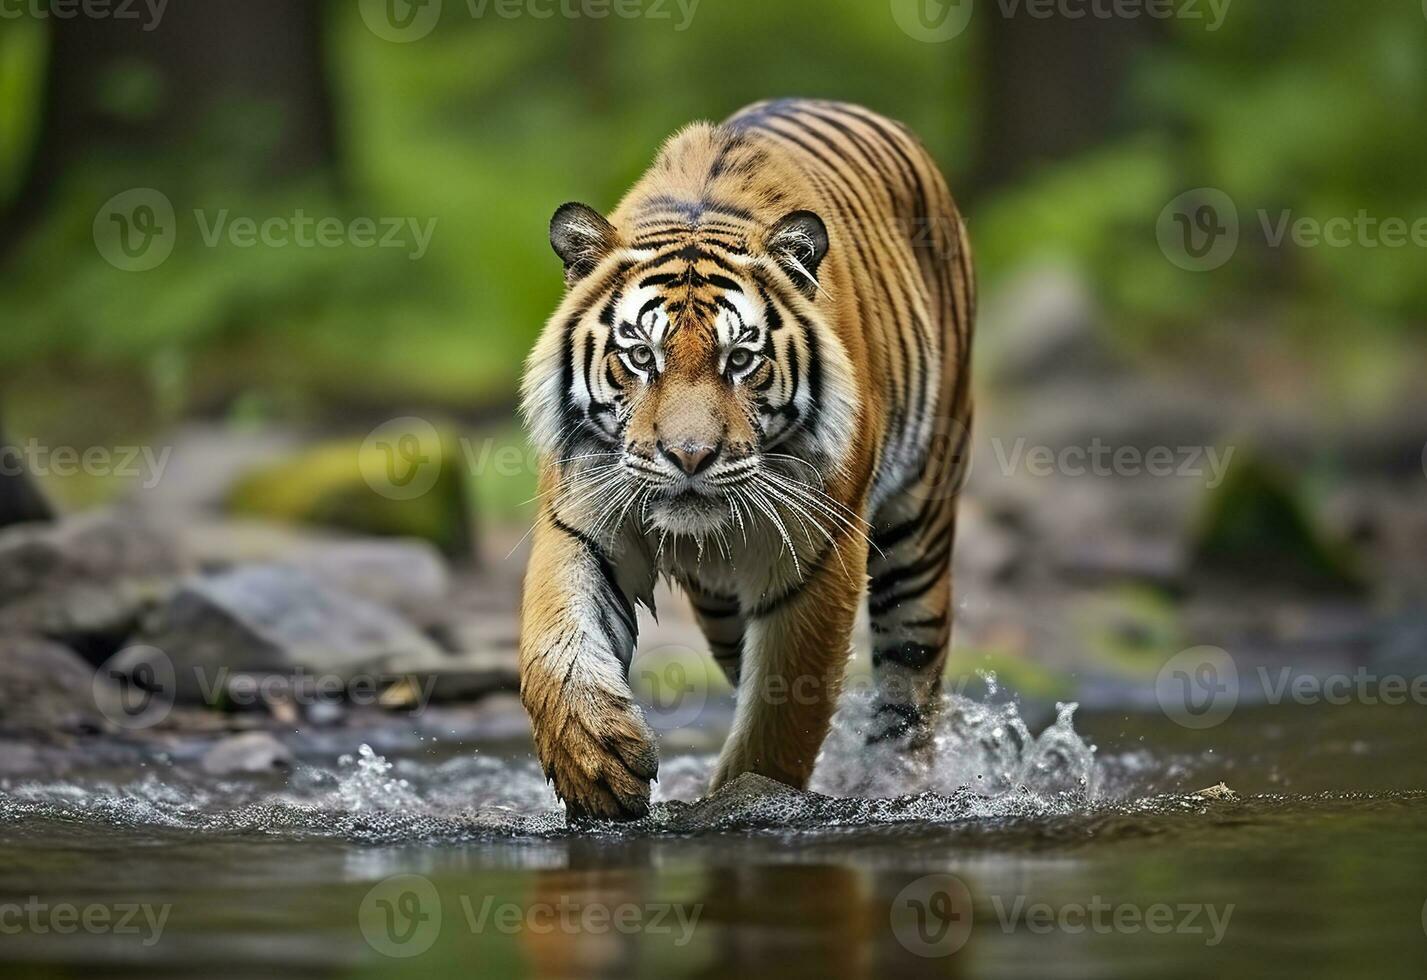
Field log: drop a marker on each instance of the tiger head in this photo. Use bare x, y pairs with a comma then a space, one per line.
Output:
695, 367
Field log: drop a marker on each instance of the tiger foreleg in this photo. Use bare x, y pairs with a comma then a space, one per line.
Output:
577, 637
795, 654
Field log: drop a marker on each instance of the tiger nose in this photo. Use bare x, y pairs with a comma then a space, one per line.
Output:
690, 457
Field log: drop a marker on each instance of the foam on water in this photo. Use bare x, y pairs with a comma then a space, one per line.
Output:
987, 765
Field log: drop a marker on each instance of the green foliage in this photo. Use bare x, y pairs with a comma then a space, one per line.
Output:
22, 54
488, 124
1299, 106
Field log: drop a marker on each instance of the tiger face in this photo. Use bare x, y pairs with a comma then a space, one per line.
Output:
691, 376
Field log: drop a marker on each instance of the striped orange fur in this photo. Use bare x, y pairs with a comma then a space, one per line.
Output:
757, 386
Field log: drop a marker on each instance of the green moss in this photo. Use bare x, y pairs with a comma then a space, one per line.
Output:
1258, 524
385, 487
1013, 672
1129, 629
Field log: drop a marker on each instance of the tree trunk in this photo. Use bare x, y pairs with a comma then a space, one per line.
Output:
20, 501
1054, 86
203, 60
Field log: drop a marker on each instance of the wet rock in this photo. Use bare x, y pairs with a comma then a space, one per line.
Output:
45, 687
91, 618
99, 547
493, 636
20, 500
275, 619
467, 678
247, 753
405, 574
747, 800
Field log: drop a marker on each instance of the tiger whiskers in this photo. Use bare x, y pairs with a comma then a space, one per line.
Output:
813, 497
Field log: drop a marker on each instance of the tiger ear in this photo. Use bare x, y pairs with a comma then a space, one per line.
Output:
581, 236
799, 243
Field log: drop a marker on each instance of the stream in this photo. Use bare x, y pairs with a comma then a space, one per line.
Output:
1081, 847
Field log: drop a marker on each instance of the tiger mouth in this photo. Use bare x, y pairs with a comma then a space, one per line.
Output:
689, 511
691, 498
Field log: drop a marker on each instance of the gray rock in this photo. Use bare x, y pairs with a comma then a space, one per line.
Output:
246, 753
98, 547
91, 617
1044, 325
45, 687
205, 461
275, 619
405, 573
750, 800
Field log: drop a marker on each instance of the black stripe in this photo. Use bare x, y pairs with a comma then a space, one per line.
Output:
623, 607
913, 656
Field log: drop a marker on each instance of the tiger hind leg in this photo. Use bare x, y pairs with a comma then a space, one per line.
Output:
910, 609
722, 622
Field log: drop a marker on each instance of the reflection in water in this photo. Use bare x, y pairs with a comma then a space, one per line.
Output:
1320, 858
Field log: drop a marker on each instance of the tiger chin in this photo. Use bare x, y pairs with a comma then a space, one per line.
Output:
756, 386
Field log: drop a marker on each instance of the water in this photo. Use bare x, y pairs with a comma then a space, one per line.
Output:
1078, 848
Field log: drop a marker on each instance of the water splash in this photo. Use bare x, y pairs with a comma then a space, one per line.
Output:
987, 765
985, 747
367, 784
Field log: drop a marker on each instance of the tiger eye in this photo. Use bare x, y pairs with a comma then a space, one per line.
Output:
642, 356
740, 359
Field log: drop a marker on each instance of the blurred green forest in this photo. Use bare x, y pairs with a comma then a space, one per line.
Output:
489, 123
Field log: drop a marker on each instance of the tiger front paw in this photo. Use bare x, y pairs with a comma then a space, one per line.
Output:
601, 757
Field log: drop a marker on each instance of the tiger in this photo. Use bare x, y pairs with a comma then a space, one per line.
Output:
755, 388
